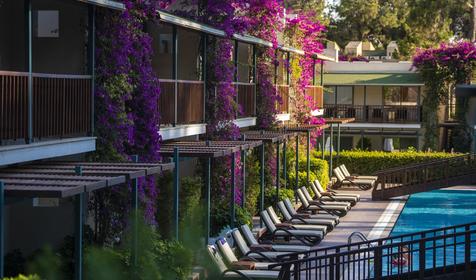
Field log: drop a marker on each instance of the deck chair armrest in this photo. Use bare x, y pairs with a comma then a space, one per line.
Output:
302, 215
329, 196
302, 240
261, 247
299, 219
259, 254
328, 193
237, 272
284, 225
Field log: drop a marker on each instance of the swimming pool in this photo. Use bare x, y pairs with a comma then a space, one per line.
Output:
432, 210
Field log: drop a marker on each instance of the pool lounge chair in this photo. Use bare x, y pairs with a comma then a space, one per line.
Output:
363, 184
330, 197
320, 189
243, 274
307, 214
256, 253
324, 202
278, 223
315, 206
307, 237
329, 223
253, 243
347, 174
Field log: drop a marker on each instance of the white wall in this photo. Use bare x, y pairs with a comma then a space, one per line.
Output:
368, 67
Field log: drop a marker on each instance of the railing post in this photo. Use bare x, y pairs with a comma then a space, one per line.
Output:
467, 250
337, 264
78, 239
30, 70
331, 269
421, 257
378, 262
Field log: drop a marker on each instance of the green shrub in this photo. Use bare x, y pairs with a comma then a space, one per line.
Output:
23, 277
252, 183
365, 162
270, 195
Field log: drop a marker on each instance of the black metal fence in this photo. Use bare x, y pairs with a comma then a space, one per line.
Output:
412, 256
375, 114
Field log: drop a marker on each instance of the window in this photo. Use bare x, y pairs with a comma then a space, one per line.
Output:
162, 61
329, 95
189, 58
245, 63
282, 78
344, 95
401, 96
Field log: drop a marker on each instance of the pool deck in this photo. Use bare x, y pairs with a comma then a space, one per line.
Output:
375, 219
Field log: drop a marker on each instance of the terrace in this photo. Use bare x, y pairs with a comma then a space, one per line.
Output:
46, 104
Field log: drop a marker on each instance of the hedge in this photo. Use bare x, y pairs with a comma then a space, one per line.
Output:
365, 162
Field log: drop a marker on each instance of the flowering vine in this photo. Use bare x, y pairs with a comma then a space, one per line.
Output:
442, 69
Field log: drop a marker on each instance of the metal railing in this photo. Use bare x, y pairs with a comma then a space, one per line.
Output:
375, 113
60, 105
410, 256
426, 176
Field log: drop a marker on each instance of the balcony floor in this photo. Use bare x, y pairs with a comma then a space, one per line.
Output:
12, 154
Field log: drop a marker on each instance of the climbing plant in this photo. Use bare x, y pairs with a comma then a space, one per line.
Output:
442, 69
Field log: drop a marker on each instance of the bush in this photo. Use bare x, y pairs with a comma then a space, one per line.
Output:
23, 277
319, 171
364, 162
270, 196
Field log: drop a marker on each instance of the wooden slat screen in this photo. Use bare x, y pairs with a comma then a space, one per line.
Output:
283, 91
61, 106
190, 103
246, 99
317, 94
13, 105
166, 102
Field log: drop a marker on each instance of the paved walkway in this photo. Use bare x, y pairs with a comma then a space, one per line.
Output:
374, 219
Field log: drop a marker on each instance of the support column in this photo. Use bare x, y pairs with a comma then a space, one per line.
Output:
2, 229
30, 69
323, 143
176, 192
330, 150
338, 140
278, 167
285, 164
79, 222
296, 169
243, 179
308, 155
92, 59
208, 198
261, 203
135, 218
233, 191
175, 71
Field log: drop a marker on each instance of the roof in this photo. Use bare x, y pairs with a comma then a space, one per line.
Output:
106, 3
303, 127
268, 136
372, 79
61, 179
353, 44
207, 149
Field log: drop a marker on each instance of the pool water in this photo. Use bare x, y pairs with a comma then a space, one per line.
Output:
432, 210
436, 209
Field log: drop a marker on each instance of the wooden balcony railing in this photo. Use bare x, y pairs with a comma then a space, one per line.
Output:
246, 99
61, 106
317, 94
375, 114
184, 105
283, 92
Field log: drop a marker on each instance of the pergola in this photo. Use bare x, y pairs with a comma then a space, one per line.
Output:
73, 179
331, 122
270, 137
304, 128
207, 150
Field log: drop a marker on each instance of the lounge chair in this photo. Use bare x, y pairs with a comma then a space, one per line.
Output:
243, 274
253, 243
330, 197
315, 206
324, 202
307, 237
329, 223
307, 214
278, 223
363, 184
320, 189
231, 259
347, 174
256, 253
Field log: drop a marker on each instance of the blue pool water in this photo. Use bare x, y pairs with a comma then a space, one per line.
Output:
436, 209
432, 210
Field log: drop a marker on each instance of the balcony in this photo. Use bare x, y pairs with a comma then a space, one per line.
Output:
181, 102
60, 106
375, 113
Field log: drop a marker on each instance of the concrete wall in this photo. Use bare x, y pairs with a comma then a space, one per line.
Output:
368, 67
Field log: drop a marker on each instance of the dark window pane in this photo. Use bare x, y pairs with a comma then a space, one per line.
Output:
409, 96
344, 95
392, 95
189, 58
245, 63
329, 95
12, 32
282, 68
162, 61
